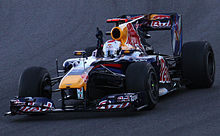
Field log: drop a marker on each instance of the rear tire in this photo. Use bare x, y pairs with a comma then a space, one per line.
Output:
141, 76
198, 64
35, 82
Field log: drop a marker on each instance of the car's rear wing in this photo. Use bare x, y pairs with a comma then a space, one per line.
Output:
123, 19
154, 22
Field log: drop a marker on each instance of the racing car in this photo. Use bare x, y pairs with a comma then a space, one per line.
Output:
124, 73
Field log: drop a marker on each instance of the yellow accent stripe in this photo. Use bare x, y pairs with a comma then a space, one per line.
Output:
72, 81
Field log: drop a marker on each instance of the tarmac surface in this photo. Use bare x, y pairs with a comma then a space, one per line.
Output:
36, 32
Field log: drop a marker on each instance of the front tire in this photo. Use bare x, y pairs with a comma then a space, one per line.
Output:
35, 82
198, 64
141, 76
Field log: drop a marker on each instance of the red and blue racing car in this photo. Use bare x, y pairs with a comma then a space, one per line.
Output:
124, 73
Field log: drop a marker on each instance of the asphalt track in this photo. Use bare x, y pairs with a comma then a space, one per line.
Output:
36, 32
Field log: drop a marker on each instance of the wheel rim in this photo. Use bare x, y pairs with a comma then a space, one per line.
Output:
153, 87
46, 87
211, 65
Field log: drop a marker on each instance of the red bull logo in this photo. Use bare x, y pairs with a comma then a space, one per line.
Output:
133, 38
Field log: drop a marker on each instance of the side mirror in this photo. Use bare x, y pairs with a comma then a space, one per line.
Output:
79, 53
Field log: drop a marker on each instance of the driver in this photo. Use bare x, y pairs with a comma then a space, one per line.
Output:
112, 48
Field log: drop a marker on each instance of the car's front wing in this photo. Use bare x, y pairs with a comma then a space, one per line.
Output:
36, 105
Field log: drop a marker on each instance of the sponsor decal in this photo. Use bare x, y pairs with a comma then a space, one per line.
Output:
133, 38
164, 73
80, 93
155, 16
17, 102
160, 24
103, 102
32, 109
133, 97
46, 107
177, 35
85, 76
31, 103
123, 99
49, 105
114, 106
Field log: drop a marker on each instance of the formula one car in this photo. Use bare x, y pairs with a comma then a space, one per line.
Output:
124, 73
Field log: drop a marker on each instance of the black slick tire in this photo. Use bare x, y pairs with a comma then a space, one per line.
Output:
141, 76
35, 82
198, 64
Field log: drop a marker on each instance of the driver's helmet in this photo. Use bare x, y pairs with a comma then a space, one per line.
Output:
111, 48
